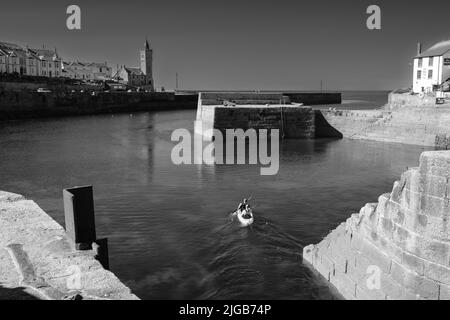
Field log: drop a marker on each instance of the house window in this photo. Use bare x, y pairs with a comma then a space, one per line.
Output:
420, 62
430, 62
419, 74
430, 74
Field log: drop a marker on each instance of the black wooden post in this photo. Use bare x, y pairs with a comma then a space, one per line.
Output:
80, 216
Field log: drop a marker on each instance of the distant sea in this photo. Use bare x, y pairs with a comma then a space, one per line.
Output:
364, 99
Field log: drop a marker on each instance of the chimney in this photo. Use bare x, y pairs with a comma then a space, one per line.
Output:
419, 48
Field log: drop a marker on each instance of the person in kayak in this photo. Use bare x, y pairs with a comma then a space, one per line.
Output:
243, 205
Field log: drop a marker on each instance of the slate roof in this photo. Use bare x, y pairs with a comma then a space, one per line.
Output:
98, 64
45, 54
86, 64
438, 49
9, 46
135, 71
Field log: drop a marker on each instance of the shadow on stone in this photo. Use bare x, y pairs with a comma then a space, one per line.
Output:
16, 294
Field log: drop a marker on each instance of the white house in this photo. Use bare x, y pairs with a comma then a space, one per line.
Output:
431, 67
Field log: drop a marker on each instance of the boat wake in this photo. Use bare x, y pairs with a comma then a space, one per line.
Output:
250, 262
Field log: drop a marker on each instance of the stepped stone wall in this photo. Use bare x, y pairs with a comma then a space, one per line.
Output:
396, 100
398, 248
426, 126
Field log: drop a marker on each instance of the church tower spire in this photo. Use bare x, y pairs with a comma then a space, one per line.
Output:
147, 65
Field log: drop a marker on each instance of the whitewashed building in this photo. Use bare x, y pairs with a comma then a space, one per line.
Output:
431, 67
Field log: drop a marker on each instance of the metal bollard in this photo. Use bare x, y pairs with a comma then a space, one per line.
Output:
80, 217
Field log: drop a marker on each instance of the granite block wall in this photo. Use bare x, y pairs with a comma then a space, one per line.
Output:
397, 248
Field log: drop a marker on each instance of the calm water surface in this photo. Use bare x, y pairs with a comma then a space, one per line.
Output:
168, 226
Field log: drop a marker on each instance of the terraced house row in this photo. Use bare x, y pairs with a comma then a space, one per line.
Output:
27, 61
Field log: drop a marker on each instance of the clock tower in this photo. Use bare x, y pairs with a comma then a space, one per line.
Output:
147, 66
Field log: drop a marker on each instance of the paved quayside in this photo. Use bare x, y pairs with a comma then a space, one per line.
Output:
37, 262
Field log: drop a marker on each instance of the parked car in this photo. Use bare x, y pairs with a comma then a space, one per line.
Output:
43, 90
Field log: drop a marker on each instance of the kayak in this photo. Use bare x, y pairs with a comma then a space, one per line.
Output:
245, 218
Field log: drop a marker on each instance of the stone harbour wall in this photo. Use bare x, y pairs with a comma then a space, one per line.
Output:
398, 100
315, 98
352, 122
397, 248
292, 121
260, 111
305, 98
22, 105
426, 126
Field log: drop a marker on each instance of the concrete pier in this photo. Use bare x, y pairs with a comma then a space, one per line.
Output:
37, 261
397, 248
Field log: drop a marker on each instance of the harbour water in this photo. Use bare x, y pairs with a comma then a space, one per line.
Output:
168, 226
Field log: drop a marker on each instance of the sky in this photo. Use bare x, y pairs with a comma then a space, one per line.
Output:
240, 44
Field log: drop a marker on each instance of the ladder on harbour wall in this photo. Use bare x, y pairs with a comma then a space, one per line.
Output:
282, 123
